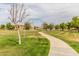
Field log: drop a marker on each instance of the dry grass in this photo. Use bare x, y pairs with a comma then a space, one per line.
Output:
33, 44
67, 35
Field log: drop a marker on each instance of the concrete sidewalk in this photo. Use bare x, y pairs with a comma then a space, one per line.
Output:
59, 47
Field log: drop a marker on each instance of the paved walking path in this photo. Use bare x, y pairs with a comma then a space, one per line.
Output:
59, 47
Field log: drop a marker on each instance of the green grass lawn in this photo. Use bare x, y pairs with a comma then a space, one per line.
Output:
33, 44
71, 38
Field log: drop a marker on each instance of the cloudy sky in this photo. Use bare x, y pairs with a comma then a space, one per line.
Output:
51, 13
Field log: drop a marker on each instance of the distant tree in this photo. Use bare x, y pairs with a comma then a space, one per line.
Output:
75, 22
37, 28
9, 26
2, 26
69, 25
45, 26
63, 26
27, 26
57, 27
50, 26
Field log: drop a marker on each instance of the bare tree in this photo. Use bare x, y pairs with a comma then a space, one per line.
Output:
17, 15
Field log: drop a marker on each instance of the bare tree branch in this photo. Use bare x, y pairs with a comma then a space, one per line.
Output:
17, 13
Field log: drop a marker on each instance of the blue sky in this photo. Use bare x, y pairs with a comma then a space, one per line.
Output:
42, 12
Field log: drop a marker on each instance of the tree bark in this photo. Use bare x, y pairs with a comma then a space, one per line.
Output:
19, 37
24, 33
78, 29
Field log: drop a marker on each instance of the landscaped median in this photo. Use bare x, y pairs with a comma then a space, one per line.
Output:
33, 44
70, 38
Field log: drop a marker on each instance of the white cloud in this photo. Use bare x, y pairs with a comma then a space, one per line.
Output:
51, 12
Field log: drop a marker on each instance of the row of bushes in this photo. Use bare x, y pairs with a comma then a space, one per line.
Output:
9, 26
72, 25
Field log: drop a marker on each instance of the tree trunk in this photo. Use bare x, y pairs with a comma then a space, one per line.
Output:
19, 37
24, 33
78, 29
